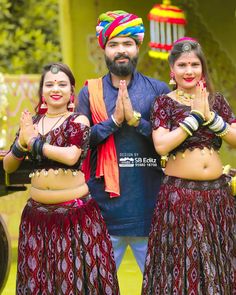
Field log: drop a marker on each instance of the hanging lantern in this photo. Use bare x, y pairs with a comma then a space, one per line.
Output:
166, 26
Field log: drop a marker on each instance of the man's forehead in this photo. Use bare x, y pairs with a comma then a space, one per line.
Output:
122, 39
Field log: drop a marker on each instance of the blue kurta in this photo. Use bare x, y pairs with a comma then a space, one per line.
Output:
129, 214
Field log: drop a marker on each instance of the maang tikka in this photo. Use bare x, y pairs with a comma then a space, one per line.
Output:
54, 69
186, 47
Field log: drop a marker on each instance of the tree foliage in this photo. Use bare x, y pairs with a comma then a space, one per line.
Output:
29, 35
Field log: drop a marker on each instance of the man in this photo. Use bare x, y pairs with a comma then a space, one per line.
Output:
125, 171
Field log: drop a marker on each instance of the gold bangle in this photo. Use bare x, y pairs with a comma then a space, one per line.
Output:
185, 129
134, 121
210, 120
199, 113
21, 146
223, 133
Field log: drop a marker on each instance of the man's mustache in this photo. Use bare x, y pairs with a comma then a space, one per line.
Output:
121, 56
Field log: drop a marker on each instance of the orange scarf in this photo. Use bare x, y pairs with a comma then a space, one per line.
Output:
107, 165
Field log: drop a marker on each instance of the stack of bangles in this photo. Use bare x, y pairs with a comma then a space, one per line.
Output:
34, 146
197, 119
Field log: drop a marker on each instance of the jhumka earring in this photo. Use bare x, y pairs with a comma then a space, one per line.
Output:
203, 81
71, 105
172, 79
43, 105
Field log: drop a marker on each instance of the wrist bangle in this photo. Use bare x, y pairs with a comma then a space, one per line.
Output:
17, 152
21, 147
134, 121
224, 131
116, 123
37, 148
30, 143
212, 118
185, 128
198, 113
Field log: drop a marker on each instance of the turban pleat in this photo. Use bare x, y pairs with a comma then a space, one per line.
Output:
119, 24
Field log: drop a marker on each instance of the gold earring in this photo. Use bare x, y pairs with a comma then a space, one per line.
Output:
43, 105
172, 79
71, 105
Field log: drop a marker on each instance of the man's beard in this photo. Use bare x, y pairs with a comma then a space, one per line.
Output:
122, 69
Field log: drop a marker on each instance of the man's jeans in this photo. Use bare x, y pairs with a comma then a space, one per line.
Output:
138, 246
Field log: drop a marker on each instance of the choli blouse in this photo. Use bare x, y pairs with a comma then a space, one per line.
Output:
67, 134
168, 113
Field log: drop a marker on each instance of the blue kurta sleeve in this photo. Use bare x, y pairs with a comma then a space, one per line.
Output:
100, 131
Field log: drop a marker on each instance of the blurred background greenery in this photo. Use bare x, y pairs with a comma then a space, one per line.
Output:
29, 35
35, 32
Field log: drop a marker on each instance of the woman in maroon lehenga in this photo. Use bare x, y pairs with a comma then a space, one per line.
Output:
64, 246
192, 243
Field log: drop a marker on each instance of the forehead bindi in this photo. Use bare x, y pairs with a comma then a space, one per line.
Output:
188, 58
58, 77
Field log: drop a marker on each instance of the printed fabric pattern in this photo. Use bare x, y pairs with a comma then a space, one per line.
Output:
192, 244
67, 134
65, 249
168, 113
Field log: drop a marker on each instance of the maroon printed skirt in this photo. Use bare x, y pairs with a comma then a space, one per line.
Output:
192, 243
65, 249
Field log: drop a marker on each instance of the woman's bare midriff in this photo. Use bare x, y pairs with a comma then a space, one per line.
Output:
57, 186
198, 164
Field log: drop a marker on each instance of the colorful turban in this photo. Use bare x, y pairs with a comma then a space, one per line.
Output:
119, 24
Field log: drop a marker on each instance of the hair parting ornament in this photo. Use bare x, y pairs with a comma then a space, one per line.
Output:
54, 69
186, 46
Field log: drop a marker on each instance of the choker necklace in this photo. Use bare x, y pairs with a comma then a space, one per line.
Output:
56, 115
183, 95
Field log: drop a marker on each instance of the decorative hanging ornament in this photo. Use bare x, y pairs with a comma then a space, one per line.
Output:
166, 26
71, 105
43, 105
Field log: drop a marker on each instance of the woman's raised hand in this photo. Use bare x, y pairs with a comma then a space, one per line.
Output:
200, 102
27, 128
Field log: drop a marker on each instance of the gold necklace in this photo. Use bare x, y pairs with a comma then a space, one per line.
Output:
183, 97
182, 94
56, 115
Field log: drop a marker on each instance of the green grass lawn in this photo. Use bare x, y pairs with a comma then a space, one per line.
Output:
130, 277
